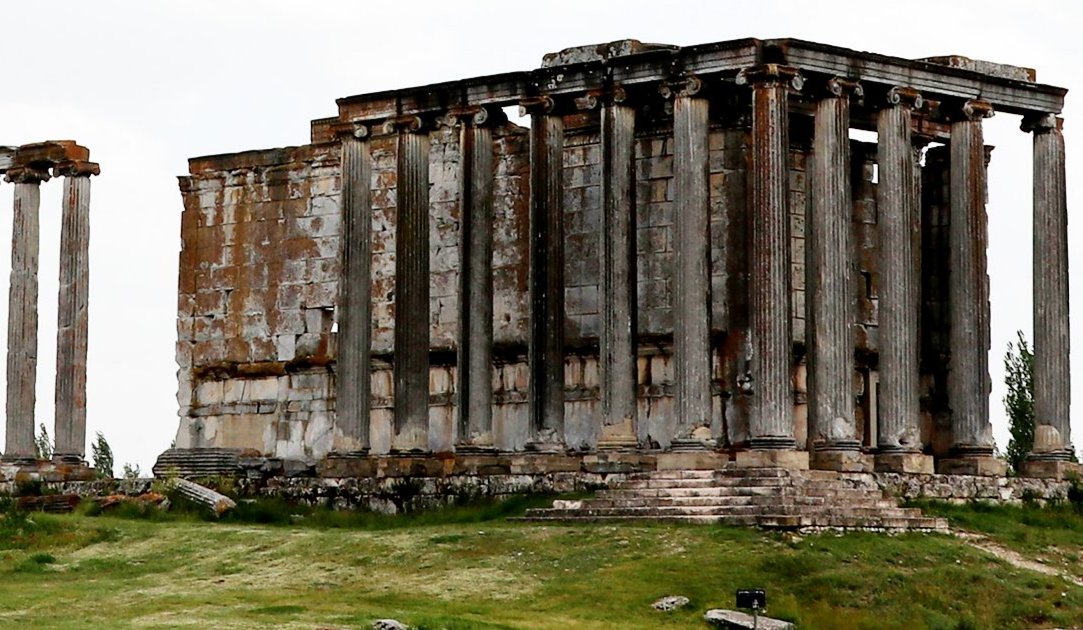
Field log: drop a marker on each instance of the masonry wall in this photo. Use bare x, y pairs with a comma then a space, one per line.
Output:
259, 283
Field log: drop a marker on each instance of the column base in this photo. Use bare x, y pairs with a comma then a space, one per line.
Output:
986, 466
908, 463
1051, 469
691, 460
774, 458
841, 460
618, 443
772, 442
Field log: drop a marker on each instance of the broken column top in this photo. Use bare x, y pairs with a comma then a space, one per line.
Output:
600, 52
67, 154
989, 68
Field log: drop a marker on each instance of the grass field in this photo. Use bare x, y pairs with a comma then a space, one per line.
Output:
471, 568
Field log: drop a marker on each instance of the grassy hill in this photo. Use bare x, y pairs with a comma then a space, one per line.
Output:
470, 568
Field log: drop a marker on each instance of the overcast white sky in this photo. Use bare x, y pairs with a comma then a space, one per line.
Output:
147, 85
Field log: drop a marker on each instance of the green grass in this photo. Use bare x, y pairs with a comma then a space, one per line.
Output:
468, 567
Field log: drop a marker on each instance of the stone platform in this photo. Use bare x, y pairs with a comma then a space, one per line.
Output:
771, 498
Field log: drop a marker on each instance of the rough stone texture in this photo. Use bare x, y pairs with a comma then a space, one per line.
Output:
670, 602
737, 620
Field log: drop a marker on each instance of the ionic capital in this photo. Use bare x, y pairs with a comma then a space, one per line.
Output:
1042, 123
26, 175
972, 110
350, 129
900, 96
475, 116
404, 124
684, 85
840, 87
771, 74
536, 106
76, 168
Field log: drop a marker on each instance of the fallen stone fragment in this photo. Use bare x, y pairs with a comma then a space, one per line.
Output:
670, 602
201, 495
389, 624
736, 620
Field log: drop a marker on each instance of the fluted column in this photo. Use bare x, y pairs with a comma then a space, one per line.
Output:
546, 274
1052, 380
475, 358
353, 370
691, 277
771, 422
898, 210
69, 432
617, 345
968, 378
22, 363
411, 364
830, 302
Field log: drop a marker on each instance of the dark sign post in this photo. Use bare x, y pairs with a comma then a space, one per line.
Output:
756, 599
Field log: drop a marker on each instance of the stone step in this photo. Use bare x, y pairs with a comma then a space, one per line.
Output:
852, 522
674, 474
741, 521
591, 509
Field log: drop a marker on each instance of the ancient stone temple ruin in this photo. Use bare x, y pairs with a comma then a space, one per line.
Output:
682, 259
27, 167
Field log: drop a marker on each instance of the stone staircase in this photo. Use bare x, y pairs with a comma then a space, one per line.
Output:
771, 498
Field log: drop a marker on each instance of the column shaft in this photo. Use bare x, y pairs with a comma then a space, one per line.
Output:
411, 367
353, 367
547, 280
22, 363
771, 422
829, 303
1052, 380
692, 284
617, 345
968, 378
898, 211
476, 301
71, 334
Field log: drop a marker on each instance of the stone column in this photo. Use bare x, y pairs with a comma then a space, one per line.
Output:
411, 363
353, 368
546, 274
1052, 382
771, 422
830, 303
22, 366
898, 437
692, 264
968, 376
69, 430
475, 359
617, 343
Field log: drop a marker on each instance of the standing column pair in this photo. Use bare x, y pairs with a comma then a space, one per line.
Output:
69, 429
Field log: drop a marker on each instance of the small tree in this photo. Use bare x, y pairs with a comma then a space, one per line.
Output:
132, 471
1019, 401
42, 444
103, 456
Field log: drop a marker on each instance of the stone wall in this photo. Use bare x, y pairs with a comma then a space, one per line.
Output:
259, 285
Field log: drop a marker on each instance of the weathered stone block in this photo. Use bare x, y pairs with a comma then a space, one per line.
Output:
1041, 469
841, 461
909, 463
793, 460
981, 466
